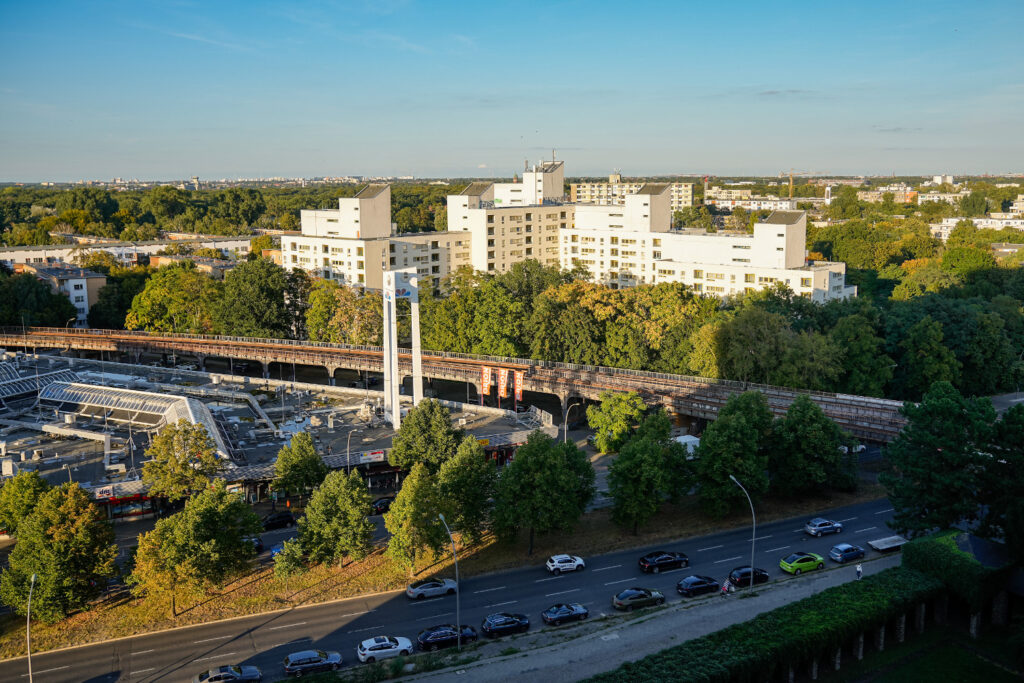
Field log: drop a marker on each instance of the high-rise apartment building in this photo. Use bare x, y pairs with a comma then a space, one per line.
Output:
615, 192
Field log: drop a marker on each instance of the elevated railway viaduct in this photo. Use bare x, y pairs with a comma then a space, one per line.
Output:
864, 417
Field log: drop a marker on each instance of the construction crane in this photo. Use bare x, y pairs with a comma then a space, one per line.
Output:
799, 173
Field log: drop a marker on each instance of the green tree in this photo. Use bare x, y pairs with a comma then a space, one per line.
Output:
25, 300
466, 485
426, 436
614, 419
260, 242
810, 361
183, 459
412, 520
974, 204
805, 451
69, 546
336, 522
926, 359
1002, 478
177, 298
19, 496
196, 549
321, 307
865, 368
751, 344
936, 461
963, 261
637, 480
297, 289
546, 487
989, 355
291, 560
734, 444
253, 301
299, 467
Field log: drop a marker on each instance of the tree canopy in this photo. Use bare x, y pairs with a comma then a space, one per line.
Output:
299, 467
183, 459
336, 523
426, 436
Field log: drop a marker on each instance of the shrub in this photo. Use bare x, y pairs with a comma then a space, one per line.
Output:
940, 556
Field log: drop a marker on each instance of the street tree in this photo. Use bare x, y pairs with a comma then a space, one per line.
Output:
182, 460
466, 485
546, 487
731, 445
426, 436
804, 451
176, 298
935, 477
336, 523
412, 519
614, 419
253, 303
69, 546
19, 496
637, 479
299, 467
192, 551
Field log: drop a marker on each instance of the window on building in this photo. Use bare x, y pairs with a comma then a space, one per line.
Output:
78, 286
749, 277
698, 275
434, 245
359, 252
805, 282
79, 299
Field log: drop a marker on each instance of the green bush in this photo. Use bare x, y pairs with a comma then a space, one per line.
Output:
814, 626
939, 556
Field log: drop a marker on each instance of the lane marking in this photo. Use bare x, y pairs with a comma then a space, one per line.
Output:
274, 628
223, 654
614, 566
612, 583
729, 559
488, 590
501, 604
436, 616
372, 628
142, 671
782, 547
210, 640
761, 538
418, 601
714, 547
142, 652
563, 592
290, 642
858, 531
848, 519
553, 578
354, 614
882, 512
46, 671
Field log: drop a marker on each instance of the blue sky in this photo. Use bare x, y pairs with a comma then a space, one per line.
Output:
218, 89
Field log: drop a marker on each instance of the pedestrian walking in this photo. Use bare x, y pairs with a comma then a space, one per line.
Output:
725, 588
860, 571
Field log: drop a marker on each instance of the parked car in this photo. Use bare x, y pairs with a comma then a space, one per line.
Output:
564, 611
844, 552
631, 598
557, 564
740, 576
229, 674
380, 506
819, 526
661, 560
311, 661
278, 520
383, 647
503, 623
801, 562
276, 549
693, 586
257, 543
444, 635
430, 588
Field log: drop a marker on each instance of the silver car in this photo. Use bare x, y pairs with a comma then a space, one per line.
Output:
431, 588
819, 526
229, 674
383, 647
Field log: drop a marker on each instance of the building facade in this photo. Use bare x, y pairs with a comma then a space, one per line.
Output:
81, 287
615, 190
128, 254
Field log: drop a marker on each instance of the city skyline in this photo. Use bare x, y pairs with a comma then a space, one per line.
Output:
172, 90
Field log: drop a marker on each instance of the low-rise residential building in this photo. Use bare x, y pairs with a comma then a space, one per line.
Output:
727, 193
82, 287
1018, 205
215, 268
901, 194
947, 197
615, 190
128, 254
769, 203
943, 228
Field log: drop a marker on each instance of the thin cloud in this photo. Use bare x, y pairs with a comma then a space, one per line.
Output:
464, 41
896, 129
203, 39
788, 92
393, 40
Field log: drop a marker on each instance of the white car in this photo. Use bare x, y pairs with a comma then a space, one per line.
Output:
557, 564
431, 588
383, 647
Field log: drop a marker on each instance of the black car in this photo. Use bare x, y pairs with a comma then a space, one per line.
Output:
692, 586
503, 623
444, 635
311, 661
572, 611
278, 520
380, 506
229, 674
661, 560
740, 576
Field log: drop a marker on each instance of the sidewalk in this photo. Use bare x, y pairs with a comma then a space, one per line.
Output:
595, 646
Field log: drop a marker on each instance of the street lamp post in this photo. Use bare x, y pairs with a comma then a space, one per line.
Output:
28, 627
458, 591
565, 421
68, 468
348, 451
753, 532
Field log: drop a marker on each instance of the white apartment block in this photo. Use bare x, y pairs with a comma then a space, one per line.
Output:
633, 244
727, 193
128, 254
614, 191
81, 287
943, 228
947, 197
511, 222
356, 242
753, 204
1018, 205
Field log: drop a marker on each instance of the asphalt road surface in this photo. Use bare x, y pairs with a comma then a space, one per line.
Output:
264, 640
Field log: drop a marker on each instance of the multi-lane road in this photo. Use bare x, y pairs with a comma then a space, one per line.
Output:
264, 640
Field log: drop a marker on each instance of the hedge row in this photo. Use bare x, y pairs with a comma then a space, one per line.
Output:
965, 577
812, 627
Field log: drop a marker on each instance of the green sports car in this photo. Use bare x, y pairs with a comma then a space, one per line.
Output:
798, 563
